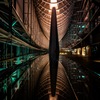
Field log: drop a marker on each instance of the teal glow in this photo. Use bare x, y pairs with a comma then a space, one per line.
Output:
83, 26
83, 76
18, 83
18, 60
5, 87
97, 73
14, 23
14, 74
2, 69
13, 79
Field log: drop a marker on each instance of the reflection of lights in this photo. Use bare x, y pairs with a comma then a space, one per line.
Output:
83, 51
83, 54
97, 61
63, 53
87, 47
78, 51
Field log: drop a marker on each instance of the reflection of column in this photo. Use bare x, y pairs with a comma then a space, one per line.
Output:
53, 52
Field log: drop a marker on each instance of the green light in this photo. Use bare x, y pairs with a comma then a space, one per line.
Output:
18, 75
18, 60
83, 26
14, 74
5, 87
2, 69
83, 76
14, 23
13, 79
97, 73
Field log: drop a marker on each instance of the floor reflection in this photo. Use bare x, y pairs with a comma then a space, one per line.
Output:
43, 87
32, 82
78, 78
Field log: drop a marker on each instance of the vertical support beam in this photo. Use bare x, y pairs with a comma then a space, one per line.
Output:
53, 52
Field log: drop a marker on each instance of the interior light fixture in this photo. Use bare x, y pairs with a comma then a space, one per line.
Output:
53, 4
53, 1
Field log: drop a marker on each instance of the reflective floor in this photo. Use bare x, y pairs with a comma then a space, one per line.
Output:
31, 81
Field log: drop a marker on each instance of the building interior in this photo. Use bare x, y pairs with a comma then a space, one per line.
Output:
46, 55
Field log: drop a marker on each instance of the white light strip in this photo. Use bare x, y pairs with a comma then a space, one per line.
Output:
54, 5
53, 1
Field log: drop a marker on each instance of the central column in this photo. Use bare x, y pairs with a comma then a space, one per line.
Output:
53, 51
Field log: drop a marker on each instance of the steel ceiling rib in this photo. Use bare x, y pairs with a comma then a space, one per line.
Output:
60, 22
63, 7
60, 16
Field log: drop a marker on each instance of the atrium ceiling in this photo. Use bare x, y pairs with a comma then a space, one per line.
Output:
69, 20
